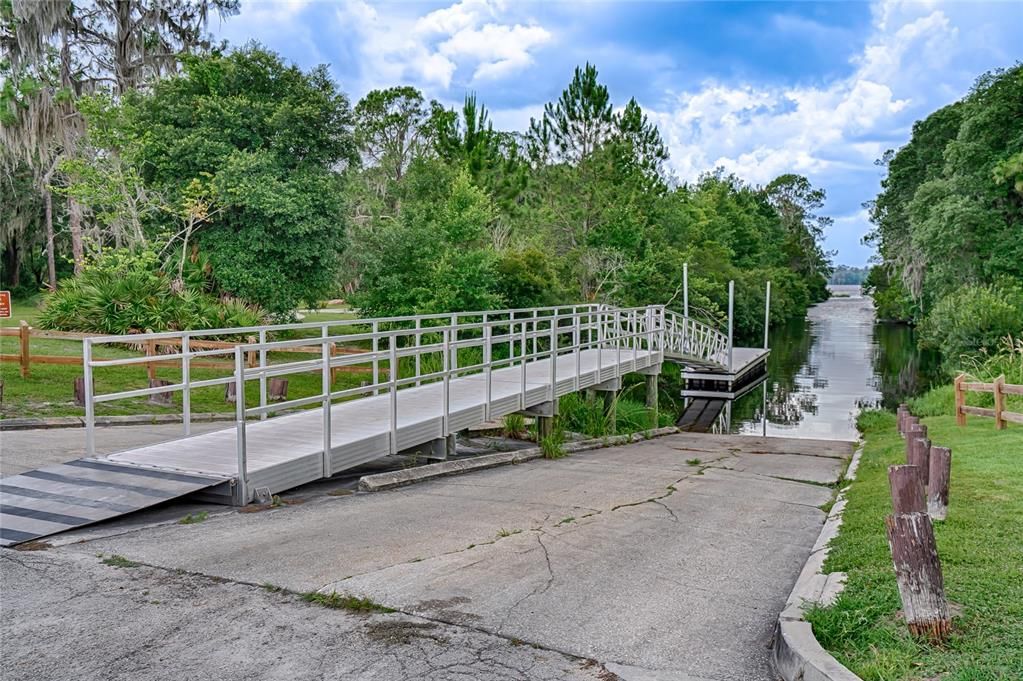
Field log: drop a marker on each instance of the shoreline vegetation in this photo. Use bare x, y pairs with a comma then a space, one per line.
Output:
980, 545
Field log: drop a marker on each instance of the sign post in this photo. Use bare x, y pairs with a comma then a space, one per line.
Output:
5, 304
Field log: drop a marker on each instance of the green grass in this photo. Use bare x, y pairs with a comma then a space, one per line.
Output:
343, 602
981, 550
119, 561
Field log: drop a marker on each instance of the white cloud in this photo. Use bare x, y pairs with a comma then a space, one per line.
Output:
472, 37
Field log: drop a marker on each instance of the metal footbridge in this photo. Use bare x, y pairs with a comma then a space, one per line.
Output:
427, 377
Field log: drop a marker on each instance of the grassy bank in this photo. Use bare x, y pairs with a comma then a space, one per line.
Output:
981, 550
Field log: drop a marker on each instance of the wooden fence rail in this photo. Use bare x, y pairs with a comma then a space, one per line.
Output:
999, 388
26, 359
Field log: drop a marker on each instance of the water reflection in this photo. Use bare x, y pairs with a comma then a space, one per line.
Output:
824, 368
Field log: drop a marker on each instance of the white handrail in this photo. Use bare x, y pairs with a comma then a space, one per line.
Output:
553, 331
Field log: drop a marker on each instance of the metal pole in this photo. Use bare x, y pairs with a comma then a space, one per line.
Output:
685, 289
731, 311
453, 341
418, 335
767, 314
577, 342
239, 424
554, 355
487, 377
186, 384
522, 398
393, 375
262, 373
90, 408
326, 385
445, 362
376, 362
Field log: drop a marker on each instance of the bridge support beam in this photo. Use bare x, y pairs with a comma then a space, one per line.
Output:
651, 373
544, 414
438, 449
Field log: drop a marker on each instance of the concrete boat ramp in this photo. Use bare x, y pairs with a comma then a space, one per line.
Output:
668, 558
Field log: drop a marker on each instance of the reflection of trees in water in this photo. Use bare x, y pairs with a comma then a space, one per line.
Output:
787, 401
901, 370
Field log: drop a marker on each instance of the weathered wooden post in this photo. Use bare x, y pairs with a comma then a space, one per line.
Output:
24, 358
278, 389
960, 400
914, 431
163, 399
938, 480
900, 417
920, 456
79, 389
998, 388
907, 487
918, 575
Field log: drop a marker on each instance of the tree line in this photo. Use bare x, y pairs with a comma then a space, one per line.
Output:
227, 175
948, 223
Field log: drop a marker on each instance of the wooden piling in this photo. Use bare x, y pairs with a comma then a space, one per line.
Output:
907, 488
278, 389
939, 475
915, 430
900, 418
160, 399
920, 456
918, 575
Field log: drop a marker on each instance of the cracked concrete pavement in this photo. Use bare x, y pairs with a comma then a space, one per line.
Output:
665, 559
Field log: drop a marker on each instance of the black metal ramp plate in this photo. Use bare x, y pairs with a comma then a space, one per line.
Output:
49, 500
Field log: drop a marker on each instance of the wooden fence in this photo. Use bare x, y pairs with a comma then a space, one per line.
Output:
26, 359
999, 388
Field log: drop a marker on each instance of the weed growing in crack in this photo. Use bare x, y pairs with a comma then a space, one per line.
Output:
693, 462
551, 445
193, 519
271, 588
338, 601
566, 521
502, 533
120, 561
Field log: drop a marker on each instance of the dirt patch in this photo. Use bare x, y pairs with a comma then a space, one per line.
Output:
402, 632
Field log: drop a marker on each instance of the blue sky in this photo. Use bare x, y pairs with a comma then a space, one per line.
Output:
761, 89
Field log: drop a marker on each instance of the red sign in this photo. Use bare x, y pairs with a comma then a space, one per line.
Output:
5, 304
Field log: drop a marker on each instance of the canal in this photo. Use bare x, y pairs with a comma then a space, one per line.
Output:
825, 368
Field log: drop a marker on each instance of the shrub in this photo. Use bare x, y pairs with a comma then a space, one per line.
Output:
125, 291
973, 320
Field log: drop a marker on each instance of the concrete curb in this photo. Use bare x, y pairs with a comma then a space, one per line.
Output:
409, 476
797, 654
131, 420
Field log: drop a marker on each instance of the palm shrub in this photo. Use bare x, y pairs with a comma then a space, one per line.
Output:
124, 291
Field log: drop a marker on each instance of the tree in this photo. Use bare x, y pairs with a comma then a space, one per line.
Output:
798, 203
262, 141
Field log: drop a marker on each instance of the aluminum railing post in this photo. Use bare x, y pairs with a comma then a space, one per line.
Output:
239, 424
393, 386
767, 314
326, 386
554, 355
487, 377
90, 407
186, 384
577, 343
731, 312
445, 366
418, 343
262, 374
376, 362
685, 290
522, 353
453, 340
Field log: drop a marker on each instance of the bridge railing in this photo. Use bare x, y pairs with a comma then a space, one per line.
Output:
686, 337
434, 347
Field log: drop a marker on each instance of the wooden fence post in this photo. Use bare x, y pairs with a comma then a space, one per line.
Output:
151, 352
333, 370
900, 415
920, 456
24, 333
918, 575
251, 357
907, 487
960, 400
998, 386
938, 479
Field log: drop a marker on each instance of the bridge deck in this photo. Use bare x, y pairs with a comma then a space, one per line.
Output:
287, 451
